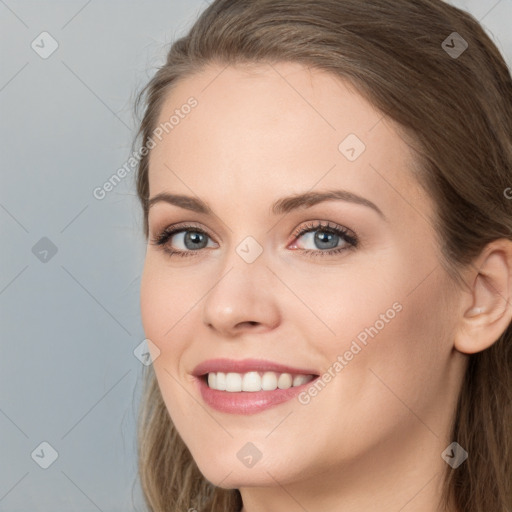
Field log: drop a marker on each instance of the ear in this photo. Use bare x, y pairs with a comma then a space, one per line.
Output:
487, 304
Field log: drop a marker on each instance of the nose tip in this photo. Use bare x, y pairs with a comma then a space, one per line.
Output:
236, 304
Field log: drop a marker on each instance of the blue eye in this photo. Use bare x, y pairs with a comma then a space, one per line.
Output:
193, 239
326, 239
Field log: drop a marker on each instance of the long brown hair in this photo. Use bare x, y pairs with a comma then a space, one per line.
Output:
455, 111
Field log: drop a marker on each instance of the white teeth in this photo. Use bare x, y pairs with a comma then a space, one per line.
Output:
220, 381
233, 382
298, 380
269, 381
251, 382
284, 381
255, 381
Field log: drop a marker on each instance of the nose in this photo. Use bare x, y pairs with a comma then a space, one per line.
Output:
242, 299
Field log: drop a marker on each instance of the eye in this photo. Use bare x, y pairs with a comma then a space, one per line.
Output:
325, 239
189, 239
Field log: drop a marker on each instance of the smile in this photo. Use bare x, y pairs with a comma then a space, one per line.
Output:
249, 386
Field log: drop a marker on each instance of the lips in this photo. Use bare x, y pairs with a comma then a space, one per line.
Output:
249, 386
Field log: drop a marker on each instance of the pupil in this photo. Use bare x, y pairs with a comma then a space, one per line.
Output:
194, 239
325, 239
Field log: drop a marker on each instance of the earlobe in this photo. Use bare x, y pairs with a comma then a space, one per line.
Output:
487, 308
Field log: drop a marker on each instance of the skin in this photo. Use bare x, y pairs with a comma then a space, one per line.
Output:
375, 433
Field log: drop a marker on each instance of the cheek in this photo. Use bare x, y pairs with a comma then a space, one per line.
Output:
391, 328
393, 355
165, 303
166, 298
152, 303
405, 359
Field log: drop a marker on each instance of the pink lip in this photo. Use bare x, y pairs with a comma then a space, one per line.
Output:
246, 402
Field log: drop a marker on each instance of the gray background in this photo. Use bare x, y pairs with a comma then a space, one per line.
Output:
70, 321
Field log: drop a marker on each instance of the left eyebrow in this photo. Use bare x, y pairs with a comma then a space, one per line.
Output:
308, 199
280, 207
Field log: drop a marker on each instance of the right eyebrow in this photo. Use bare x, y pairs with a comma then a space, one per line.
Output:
185, 202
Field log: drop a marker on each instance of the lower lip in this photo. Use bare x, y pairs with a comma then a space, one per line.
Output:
247, 402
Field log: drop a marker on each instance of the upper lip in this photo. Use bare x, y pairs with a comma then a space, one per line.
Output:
246, 365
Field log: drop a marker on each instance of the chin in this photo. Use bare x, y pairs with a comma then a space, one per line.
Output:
229, 472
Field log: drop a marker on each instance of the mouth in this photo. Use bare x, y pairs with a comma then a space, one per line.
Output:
250, 385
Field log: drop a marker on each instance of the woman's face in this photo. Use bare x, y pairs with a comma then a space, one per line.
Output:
359, 300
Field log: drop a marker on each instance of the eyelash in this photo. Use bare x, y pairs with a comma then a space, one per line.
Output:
163, 237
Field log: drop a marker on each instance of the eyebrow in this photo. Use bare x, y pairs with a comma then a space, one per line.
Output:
281, 206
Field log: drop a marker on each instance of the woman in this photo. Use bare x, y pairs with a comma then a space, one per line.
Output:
327, 281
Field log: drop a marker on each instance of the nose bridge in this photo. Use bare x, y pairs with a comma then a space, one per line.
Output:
247, 257
241, 294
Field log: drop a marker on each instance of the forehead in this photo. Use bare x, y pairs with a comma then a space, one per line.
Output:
278, 128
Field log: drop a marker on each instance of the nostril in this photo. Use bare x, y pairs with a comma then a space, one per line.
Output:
243, 324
